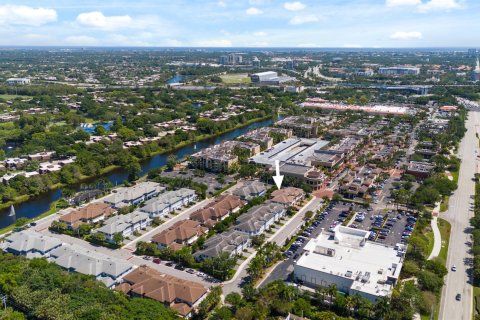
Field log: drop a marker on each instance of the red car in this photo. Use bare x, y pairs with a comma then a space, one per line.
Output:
156, 260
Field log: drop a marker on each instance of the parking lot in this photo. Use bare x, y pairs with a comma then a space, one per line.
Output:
387, 227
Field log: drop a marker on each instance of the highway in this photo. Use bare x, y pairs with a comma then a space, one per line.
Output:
458, 215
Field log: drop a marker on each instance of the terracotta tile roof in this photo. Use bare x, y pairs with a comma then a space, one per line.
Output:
217, 209
179, 232
89, 212
287, 195
145, 281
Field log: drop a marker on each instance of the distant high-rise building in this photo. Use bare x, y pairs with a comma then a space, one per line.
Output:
255, 62
231, 59
290, 64
472, 52
476, 72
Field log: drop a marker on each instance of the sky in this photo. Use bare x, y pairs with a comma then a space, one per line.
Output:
241, 23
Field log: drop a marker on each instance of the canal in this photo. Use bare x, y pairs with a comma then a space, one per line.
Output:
38, 205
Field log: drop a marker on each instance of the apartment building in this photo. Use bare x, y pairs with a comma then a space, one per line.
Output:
221, 157
303, 127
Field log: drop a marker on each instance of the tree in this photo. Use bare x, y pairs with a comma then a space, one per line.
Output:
21, 222
118, 238
255, 267
429, 281
171, 162
308, 215
381, 308
332, 292
244, 313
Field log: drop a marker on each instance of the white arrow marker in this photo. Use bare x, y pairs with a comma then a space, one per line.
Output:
278, 178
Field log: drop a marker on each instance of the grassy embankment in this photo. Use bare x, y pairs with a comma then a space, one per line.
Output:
108, 169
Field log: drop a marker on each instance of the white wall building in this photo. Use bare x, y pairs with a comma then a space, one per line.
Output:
353, 264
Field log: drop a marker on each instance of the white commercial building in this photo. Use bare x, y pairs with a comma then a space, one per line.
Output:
15, 81
347, 259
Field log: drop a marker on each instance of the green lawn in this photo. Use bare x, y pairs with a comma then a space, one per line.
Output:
430, 237
444, 227
235, 78
11, 96
444, 204
476, 294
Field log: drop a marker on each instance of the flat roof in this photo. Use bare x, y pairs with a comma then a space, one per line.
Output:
292, 150
351, 256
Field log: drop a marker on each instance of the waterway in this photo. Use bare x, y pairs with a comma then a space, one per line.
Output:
34, 207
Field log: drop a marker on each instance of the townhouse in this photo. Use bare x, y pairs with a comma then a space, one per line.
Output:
168, 202
259, 218
179, 294
124, 224
30, 244
75, 258
91, 213
180, 234
125, 196
231, 242
250, 189
289, 196
217, 210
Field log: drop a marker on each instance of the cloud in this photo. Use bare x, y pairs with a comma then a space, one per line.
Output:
398, 3
24, 15
301, 19
406, 35
98, 20
429, 5
439, 5
222, 4
259, 44
81, 40
214, 43
252, 11
294, 6
260, 34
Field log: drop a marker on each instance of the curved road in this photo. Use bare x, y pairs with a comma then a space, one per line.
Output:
458, 215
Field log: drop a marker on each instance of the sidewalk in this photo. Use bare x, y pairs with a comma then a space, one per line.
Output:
437, 238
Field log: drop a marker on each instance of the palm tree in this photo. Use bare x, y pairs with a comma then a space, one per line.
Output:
382, 307
320, 293
289, 293
349, 304
332, 292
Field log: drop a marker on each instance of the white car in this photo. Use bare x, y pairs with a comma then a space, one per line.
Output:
454, 268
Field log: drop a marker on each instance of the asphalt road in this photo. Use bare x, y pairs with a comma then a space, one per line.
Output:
279, 237
458, 215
